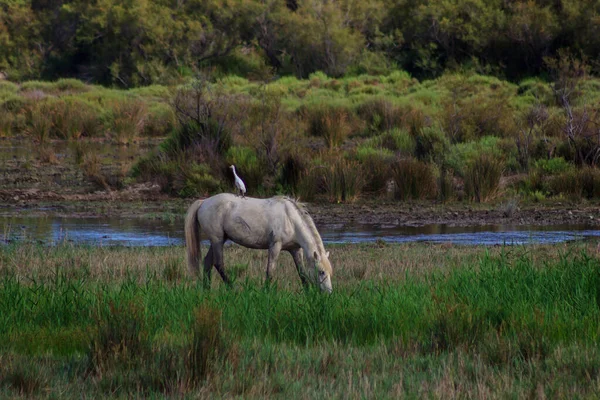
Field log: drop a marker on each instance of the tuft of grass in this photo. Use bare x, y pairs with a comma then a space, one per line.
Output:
126, 119
344, 181
207, 342
376, 165
381, 114
121, 336
482, 178
329, 122
91, 166
413, 179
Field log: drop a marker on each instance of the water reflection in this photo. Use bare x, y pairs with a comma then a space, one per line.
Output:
144, 232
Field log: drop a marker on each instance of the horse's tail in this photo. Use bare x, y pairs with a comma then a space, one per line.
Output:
192, 237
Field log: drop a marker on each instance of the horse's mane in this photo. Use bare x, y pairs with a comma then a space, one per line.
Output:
303, 211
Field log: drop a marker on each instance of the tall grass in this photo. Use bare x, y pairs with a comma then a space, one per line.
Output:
512, 315
482, 177
414, 179
126, 119
462, 306
332, 123
344, 181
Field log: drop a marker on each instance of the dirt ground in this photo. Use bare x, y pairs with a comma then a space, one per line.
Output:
146, 201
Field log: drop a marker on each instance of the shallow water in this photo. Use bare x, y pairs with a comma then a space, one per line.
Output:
144, 232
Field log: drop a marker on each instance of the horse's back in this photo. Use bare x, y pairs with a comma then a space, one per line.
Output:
245, 220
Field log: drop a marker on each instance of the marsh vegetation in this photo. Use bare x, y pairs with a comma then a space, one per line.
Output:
505, 321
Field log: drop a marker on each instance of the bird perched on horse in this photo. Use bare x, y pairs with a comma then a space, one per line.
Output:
239, 184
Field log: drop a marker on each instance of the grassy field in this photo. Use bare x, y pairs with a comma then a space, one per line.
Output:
404, 320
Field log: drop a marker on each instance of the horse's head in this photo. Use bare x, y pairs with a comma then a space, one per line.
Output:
320, 273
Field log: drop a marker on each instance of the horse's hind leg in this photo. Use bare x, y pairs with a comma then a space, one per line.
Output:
274, 250
217, 255
208, 263
298, 260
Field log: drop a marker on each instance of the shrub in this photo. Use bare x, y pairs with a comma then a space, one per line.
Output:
553, 166
7, 87
432, 144
193, 180
482, 177
13, 103
413, 179
39, 122
397, 140
71, 85
460, 155
91, 168
310, 183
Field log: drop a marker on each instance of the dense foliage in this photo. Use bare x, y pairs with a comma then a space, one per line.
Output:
131, 43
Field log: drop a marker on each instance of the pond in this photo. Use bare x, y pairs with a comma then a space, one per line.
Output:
145, 232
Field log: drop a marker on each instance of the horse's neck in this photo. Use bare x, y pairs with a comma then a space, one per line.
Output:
307, 239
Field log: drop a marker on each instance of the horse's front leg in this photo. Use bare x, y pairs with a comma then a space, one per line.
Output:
299, 261
274, 250
217, 256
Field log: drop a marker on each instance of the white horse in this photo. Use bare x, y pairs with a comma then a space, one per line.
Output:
278, 223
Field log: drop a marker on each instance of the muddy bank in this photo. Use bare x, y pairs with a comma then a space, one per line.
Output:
146, 201
51, 180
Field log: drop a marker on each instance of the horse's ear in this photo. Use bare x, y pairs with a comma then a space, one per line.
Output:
327, 254
316, 256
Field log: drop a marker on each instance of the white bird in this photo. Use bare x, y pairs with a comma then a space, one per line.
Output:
239, 184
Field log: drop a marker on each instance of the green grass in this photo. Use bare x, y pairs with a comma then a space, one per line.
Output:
505, 322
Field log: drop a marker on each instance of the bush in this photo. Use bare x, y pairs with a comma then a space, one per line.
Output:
432, 144
460, 155
414, 179
482, 177
553, 166
193, 180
